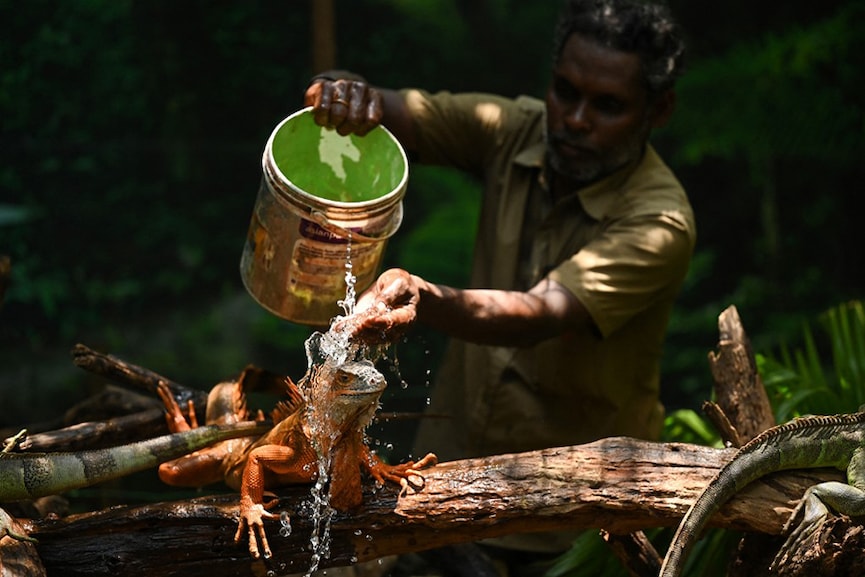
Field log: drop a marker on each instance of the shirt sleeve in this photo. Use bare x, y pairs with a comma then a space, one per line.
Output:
635, 263
460, 130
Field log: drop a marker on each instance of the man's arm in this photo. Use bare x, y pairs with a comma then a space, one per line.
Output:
483, 316
502, 318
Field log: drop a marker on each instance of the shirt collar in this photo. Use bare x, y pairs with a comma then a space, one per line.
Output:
598, 197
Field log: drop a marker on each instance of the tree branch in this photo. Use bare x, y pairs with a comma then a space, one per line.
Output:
620, 484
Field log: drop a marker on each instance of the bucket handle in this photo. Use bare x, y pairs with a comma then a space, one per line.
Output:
321, 220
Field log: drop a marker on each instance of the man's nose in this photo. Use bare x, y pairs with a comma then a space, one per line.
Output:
578, 118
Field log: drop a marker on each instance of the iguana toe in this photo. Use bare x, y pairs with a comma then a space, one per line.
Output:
252, 523
8, 527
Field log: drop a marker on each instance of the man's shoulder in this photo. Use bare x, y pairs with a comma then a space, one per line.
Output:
530, 104
654, 189
654, 180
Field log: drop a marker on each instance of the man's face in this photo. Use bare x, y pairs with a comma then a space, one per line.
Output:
598, 111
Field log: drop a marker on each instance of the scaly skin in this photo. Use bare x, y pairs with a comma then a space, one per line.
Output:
326, 414
33, 475
809, 442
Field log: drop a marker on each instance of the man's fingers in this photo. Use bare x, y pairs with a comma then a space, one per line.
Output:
348, 106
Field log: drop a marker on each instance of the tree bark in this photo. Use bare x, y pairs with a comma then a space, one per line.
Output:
834, 549
323, 25
130, 375
739, 390
620, 484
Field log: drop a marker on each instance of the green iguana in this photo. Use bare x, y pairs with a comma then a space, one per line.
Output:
808, 442
323, 417
32, 475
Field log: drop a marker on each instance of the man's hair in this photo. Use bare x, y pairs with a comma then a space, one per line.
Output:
635, 26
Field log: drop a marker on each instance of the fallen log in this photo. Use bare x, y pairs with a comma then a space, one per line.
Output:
133, 376
620, 484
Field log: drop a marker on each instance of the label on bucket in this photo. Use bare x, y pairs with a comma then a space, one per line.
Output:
323, 197
318, 264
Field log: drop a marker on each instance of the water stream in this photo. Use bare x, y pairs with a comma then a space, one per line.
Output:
330, 347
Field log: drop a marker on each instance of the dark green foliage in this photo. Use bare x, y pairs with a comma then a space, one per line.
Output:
131, 133
818, 373
823, 373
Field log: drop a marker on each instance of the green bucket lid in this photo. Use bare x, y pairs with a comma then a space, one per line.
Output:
347, 169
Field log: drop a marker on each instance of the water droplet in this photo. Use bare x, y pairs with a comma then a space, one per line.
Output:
358, 532
368, 537
353, 559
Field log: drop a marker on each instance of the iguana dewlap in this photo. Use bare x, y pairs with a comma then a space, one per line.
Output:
325, 415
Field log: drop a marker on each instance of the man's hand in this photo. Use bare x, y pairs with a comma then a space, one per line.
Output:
348, 106
385, 311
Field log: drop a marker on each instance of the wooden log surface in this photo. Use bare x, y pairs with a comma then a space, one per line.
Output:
619, 484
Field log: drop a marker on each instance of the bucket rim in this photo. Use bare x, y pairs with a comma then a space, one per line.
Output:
395, 195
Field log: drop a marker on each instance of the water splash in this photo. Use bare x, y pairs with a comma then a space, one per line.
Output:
332, 347
322, 515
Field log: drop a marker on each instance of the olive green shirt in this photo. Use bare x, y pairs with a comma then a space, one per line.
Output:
621, 245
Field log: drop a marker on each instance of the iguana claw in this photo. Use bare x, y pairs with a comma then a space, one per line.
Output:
251, 522
814, 510
407, 475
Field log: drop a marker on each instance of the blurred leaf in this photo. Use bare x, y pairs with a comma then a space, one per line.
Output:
11, 214
686, 426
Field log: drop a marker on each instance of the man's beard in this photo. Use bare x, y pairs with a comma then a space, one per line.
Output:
593, 167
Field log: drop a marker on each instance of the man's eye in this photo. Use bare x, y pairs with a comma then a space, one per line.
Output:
609, 105
564, 90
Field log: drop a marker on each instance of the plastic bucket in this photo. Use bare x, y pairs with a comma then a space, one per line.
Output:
323, 197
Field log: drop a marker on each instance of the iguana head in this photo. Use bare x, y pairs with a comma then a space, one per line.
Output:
344, 395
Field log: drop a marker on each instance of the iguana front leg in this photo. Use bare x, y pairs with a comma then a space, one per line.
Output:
401, 474
814, 508
288, 464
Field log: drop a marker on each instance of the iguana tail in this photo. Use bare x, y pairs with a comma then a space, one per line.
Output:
733, 478
815, 441
32, 475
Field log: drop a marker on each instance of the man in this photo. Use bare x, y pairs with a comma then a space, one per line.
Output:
584, 240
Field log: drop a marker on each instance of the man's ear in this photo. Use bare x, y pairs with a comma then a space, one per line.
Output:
661, 108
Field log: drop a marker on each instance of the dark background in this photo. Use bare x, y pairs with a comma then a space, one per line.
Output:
131, 134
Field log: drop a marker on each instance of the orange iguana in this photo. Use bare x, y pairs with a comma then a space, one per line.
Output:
324, 417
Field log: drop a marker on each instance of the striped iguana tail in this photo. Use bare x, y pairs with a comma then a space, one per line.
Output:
32, 475
804, 442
